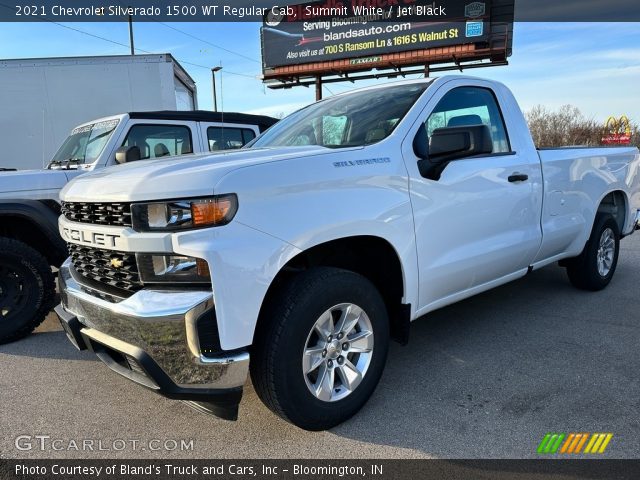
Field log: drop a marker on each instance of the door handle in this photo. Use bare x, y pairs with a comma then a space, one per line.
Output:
518, 177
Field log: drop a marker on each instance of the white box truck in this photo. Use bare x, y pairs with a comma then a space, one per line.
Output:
44, 98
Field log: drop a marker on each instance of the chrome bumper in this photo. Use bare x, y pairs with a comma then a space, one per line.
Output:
157, 327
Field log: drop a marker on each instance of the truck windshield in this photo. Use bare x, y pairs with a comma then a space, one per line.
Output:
351, 120
84, 145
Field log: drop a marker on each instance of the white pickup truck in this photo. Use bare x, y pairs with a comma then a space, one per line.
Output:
29, 208
297, 259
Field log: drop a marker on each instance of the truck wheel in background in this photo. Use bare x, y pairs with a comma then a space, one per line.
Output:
595, 266
27, 289
321, 347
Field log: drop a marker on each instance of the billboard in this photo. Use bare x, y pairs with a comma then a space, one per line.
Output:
335, 36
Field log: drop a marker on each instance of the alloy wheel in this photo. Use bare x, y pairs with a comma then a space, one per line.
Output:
606, 252
338, 352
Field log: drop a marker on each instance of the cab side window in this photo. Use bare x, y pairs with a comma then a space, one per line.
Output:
156, 141
467, 106
226, 138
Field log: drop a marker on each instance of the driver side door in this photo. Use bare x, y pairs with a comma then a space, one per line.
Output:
475, 225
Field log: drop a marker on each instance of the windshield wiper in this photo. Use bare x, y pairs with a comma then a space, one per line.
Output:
345, 145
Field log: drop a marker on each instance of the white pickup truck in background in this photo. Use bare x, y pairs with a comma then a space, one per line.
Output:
93, 145
297, 259
29, 206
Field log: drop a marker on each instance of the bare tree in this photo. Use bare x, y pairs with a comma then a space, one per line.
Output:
568, 126
635, 135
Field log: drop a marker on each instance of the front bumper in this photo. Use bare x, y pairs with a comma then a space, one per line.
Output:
152, 339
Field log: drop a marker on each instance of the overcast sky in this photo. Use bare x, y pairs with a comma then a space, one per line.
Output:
595, 67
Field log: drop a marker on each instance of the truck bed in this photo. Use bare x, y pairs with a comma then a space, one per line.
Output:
576, 179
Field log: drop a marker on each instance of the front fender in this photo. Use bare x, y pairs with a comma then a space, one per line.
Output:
243, 262
45, 224
309, 201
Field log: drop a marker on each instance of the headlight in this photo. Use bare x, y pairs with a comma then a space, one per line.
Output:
184, 214
154, 268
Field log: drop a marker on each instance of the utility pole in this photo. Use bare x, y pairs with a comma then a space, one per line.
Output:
133, 50
215, 96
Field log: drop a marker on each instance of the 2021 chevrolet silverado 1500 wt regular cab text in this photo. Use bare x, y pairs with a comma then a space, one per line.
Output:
296, 260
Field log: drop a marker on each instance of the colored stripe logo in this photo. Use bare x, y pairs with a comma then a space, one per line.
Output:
573, 443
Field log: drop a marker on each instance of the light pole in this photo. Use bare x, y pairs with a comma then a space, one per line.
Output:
133, 50
213, 78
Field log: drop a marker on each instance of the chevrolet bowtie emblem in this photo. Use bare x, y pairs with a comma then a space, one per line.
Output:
117, 262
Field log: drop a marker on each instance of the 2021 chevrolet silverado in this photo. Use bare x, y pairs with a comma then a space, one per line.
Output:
296, 260
29, 241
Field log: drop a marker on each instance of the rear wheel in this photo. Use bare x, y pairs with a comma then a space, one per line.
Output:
27, 289
594, 268
321, 349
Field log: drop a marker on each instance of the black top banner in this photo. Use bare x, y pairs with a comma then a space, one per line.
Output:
256, 10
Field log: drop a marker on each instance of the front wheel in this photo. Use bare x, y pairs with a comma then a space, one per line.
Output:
321, 348
27, 289
594, 268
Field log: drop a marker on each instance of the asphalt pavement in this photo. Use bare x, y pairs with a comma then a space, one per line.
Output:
485, 378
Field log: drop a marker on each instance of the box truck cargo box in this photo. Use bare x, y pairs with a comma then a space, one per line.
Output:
42, 99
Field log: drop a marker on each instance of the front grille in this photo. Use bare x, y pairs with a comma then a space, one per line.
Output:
118, 214
96, 264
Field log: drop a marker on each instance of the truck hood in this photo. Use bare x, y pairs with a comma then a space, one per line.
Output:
19, 183
176, 177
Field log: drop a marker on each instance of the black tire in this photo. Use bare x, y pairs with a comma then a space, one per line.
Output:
583, 270
276, 362
27, 289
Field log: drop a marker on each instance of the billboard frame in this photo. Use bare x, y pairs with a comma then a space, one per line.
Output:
439, 59
492, 51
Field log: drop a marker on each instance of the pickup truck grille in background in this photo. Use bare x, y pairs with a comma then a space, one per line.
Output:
96, 264
118, 214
